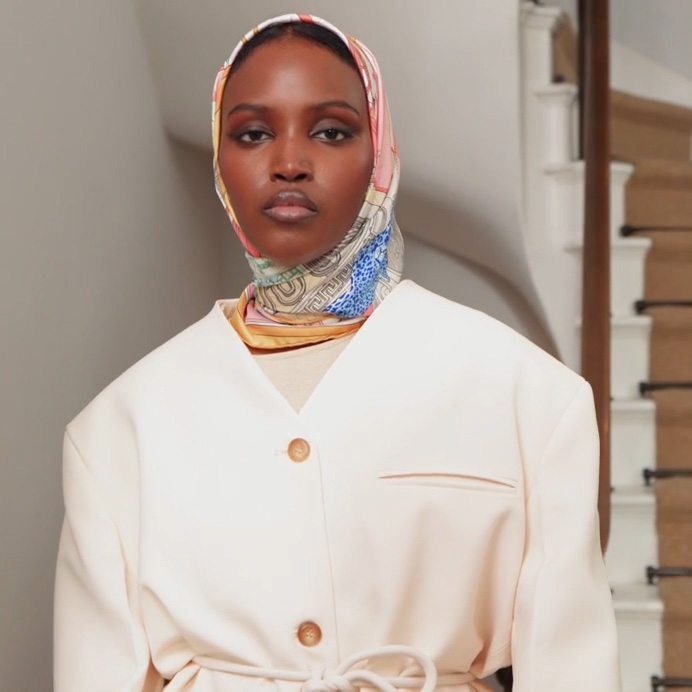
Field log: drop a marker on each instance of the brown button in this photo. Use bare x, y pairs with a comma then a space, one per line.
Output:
309, 634
298, 450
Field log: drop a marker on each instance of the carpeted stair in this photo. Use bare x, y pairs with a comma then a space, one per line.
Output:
668, 300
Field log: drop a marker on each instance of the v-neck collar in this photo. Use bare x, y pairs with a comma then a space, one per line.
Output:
355, 352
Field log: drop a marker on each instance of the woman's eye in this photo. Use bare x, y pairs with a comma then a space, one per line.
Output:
252, 136
333, 134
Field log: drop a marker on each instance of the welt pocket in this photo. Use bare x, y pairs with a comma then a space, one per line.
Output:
449, 479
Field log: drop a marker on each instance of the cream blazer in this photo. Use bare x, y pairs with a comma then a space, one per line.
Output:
437, 492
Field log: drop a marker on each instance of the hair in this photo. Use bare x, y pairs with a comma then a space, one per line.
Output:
306, 30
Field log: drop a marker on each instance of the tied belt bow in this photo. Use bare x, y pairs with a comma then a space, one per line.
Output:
346, 678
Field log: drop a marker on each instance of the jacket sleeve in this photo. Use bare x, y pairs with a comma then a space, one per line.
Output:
564, 637
99, 639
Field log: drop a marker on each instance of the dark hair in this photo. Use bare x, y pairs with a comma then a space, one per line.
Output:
305, 30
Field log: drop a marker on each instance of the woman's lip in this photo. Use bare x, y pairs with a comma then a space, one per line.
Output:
289, 213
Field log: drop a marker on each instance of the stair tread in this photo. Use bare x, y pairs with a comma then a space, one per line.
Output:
632, 405
659, 193
632, 496
658, 112
668, 267
676, 595
639, 243
677, 644
621, 167
637, 597
624, 321
670, 317
666, 172
675, 493
562, 89
671, 342
673, 403
631, 320
666, 242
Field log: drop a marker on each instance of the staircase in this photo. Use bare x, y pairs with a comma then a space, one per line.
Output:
659, 198
649, 559
656, 138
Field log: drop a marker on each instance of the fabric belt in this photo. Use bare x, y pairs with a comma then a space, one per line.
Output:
346, 678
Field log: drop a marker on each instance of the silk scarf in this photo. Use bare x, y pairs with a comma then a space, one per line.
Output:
334, 294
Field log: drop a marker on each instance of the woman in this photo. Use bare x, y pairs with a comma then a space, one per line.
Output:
340, 480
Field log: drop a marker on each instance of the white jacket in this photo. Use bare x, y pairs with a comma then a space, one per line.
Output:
445, 500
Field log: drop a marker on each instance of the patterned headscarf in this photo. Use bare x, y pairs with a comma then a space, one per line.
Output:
333, 294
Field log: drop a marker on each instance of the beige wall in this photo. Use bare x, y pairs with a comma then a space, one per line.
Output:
470, 284
453, 277
110, 242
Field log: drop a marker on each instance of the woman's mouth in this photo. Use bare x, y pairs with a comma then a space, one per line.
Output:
290, 206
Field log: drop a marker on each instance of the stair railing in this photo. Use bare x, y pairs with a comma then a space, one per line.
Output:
594, 88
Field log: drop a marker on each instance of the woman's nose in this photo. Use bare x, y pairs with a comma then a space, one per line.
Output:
291, 162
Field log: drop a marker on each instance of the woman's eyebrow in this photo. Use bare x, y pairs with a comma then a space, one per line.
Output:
335, 104
251, 107
259, 108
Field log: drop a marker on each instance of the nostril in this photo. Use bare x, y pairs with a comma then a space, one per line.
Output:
291, 177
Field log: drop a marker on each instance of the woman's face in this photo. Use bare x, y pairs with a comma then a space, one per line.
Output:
296, 154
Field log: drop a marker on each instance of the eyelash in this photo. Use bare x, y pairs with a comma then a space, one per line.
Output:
343, 134
240, 137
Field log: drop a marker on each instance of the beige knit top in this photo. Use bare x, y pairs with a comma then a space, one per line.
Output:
297, 372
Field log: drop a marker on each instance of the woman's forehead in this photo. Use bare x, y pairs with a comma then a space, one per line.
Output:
294, 68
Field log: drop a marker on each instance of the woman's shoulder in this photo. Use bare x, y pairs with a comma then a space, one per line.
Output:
162, 369
446, 326
486, 360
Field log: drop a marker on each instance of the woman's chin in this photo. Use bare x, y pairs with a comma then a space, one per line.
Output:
288, 259
289, 254
290, 245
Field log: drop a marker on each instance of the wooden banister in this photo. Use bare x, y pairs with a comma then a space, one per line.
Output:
594, 86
